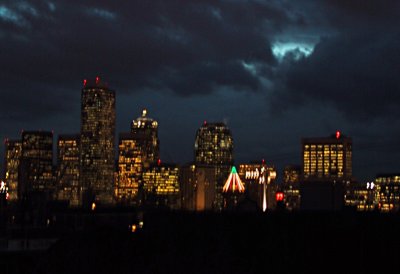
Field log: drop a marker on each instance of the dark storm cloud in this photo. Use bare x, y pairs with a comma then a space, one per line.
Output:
355, 69
191, 47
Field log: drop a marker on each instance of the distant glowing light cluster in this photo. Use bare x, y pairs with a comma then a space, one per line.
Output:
299, 50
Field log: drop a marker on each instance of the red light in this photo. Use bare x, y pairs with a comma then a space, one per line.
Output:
337, 134
97, 79
159, 162
279, 196
205, 122
263, 161
84, 82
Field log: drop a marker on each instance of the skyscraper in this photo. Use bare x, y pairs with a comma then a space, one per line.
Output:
97, 142
13, 152
130, 168
327, 168
327, 158
145, 131
214, 147
67, 176
37, 164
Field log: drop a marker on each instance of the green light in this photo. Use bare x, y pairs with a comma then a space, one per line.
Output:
233, 170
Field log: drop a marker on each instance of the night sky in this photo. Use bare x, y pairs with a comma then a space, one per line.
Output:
274, 71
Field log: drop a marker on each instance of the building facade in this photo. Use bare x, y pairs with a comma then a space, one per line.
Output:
291, 187
387, 192
328, 158
197, 186
12, 155
67, 176
214, 147
161, 185
36, 176
130, 168
97, 142
255, 176
145, 131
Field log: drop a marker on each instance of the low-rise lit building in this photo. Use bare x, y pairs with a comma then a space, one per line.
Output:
253, 176
161, 185
291, 187
388, 192
360, 196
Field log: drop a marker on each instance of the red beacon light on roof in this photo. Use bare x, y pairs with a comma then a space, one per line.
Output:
337, 134
159, 162
84, 82
97, 79
205, 122
279, 196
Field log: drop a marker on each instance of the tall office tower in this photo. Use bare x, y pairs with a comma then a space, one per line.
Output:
387, 192
327, 168
67, 176
327, 158
97, 142
13, 152
161, 185
291, 186
197, 185
145, 130
36, 175
214, 147
130, 168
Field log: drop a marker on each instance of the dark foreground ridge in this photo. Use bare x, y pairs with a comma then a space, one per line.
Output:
172, 242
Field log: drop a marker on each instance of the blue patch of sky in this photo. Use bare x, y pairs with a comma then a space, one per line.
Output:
103, 13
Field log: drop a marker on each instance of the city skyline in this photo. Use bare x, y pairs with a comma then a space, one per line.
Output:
291, 70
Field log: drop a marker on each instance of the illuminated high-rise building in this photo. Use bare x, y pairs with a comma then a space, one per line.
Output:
36, 174
327, 169
97, 142
145, 131
12, 159
214, 147
161, 185
67, 177
130, 168
328, 159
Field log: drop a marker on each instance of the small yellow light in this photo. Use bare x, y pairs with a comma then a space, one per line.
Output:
141, 224
133, 228
93, 206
